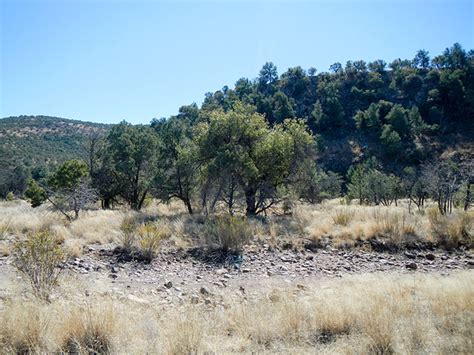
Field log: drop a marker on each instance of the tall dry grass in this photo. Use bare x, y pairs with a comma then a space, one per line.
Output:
376, 314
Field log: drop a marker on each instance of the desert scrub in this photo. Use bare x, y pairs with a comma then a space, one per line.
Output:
38, 258
88, 331
228, 233
343, 216
451, 231
127, 233
149, 237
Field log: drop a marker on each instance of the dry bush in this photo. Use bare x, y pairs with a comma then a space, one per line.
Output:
398, 228
88, 330
148, 239
184, 333
451, 231
343, 216
127, 232
23, 329
229, 233
38, 258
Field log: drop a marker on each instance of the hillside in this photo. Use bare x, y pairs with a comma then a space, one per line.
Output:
28, 142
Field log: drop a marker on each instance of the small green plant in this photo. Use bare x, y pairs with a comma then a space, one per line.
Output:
10, 196
229, 233
343, 216
38, 258
149, 238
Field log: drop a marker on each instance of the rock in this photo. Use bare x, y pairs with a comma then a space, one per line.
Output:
410, 255
221, 271
137, 299
245, 270
113, 270
242, 289
411, 266
113, 276
204, 291
227, 276
194, 299
168, 284
430, 256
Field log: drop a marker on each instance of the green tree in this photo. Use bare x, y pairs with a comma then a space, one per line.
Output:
132, 152
260, 158
390, 139
282, 108
178, 164
35, 194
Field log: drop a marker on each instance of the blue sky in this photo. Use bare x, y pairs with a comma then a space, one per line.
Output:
108, 60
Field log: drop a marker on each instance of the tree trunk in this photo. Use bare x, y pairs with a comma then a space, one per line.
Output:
251, 209
467, 199
187, 202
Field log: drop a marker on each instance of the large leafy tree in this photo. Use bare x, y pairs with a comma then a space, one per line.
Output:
131, 151
241, 144
177, 169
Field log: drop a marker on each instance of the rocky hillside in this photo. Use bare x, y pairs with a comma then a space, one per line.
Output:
28, 142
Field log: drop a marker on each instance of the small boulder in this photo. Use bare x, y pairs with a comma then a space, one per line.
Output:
430, 256
168, 284
411, 266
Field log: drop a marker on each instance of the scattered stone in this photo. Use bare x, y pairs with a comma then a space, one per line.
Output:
113, 276
204, 291
410, 255
246, 270
411, 266
221, 271
113, 270
430, 256
168, 284
194, 299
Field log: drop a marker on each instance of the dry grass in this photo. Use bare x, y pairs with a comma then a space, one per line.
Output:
358, 314
452, 231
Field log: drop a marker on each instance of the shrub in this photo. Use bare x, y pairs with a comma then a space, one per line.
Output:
10, 196
127, 232
228, 233
343, 216
88, 331
149, 237
38, 258
451, 231
23, 329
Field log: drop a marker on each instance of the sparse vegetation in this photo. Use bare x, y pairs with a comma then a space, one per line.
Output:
363, 314
229, 233
38, 258
149, 237
452, 231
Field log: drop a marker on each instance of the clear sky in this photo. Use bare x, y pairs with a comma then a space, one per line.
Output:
108, 60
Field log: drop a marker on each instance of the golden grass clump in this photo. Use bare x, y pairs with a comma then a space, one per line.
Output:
88, 330
148, 239
343, 216
453, 230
